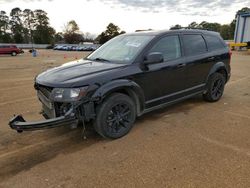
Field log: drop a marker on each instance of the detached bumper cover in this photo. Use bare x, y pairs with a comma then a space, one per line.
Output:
19, 124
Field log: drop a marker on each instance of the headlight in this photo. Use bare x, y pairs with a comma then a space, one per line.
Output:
68, 94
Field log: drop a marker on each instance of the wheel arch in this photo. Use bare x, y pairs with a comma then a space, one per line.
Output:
219, 67
127, 87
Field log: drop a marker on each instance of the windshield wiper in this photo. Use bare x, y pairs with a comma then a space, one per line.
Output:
100, 59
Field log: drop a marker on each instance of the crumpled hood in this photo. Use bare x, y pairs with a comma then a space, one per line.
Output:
68, 73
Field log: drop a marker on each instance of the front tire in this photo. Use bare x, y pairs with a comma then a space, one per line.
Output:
13, 53
215, 87
115, 116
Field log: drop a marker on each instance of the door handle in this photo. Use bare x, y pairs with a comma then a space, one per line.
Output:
181, 65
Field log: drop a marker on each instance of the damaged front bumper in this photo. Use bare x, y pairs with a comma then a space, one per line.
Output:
19, 124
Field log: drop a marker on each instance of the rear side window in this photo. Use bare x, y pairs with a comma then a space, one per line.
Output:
169, 46
214, 43
194, 44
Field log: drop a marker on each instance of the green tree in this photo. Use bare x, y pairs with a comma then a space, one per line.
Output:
6, 38
72, 33
29, 25
225, 31
175, 27
58, 37
111, 31
4, 21
43, 33
88, 37
16, 25
210, 26
41, 18
243, 10
71, 27
232, 29
4, 26
193, 25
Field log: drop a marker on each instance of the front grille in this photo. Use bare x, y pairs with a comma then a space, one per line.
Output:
47, 112
46, 91
43, 93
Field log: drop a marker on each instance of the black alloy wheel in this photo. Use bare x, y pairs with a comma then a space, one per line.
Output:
115, 116
118, 118
215, 87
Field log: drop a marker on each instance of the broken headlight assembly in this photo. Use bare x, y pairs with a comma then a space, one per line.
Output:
68, 94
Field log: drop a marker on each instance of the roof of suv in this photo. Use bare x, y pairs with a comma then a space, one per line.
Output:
162, 32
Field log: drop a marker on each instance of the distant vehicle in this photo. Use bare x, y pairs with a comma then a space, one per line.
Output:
64, 48
78, 48
83, 47
57, 47
50, 47
10, 49
73, 48
89, 48
129, 76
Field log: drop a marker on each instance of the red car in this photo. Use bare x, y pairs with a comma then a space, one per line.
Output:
10, 49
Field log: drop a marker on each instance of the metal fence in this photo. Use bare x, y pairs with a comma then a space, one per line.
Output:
28, 46
44, 46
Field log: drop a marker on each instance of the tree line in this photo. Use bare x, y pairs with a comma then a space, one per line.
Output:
28, 26
225, 30
25, 26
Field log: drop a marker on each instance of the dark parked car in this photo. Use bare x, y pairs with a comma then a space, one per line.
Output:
10, 49
129, 76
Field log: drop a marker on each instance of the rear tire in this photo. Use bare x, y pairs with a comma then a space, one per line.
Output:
115, 116
215, 87
13, 53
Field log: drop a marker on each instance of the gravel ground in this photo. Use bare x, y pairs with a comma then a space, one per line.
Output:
190, 144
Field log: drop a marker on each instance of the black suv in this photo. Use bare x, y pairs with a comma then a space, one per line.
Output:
131, 75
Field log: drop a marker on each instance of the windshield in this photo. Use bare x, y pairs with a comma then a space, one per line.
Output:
121, 49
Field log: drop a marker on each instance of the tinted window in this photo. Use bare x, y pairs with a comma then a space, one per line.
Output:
214, 43
169, 46
194, 44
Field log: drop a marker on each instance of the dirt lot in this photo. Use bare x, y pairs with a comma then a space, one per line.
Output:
191, 144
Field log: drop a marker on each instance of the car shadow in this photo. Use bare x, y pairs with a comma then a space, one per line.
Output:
181, 107
9, 55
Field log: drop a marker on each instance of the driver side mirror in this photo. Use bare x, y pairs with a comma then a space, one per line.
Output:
154, 57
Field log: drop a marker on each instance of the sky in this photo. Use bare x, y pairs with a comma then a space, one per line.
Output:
94, 15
